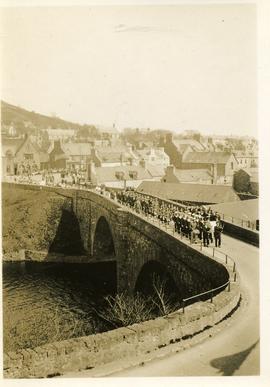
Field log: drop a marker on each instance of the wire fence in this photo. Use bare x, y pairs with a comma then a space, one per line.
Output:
249, 224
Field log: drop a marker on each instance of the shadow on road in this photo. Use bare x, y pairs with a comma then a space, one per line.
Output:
229, 364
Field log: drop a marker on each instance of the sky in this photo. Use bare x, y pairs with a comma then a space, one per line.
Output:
182, 67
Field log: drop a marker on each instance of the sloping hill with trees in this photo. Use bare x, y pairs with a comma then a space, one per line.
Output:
26, 121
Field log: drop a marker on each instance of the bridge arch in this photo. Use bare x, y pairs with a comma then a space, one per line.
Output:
103, 240
154, 272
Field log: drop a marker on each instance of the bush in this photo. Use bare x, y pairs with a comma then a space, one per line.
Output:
124, 309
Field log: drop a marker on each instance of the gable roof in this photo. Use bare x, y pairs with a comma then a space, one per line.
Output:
192, 174
108, 174
184, 143
114, 154
157, 152
207, 157
198, 193
11, 144
156, 170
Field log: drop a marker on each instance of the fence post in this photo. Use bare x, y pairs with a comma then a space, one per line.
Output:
201, 245
232, 219
229, 286
235, 277
213, 252
183, 306
211, 297
234, 267
226, 259
242, 222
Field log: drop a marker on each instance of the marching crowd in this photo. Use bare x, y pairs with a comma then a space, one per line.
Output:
198, 223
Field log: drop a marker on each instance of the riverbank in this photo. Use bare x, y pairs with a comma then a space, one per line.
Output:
36, 220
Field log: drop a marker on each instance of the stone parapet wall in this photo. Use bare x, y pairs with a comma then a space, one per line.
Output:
122, 343
244, 234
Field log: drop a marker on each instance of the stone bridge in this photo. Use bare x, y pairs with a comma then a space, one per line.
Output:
107, 231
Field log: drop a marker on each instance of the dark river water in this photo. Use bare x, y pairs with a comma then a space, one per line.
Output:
46, 302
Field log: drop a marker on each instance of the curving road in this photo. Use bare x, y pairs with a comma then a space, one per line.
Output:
232, 350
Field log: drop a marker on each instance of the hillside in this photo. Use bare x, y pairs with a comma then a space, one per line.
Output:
23, 119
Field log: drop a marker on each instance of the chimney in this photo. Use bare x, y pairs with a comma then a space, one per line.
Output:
170, 170
91, 172
214, 173
142, 163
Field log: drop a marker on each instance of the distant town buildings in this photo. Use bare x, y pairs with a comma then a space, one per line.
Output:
59, 134
117, 159
196, 176
191, 154
21, 155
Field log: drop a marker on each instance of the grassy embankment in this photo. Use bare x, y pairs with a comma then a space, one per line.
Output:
29, 220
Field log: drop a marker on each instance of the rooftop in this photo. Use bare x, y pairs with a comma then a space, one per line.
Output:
192, 174
200, 193
207, 157
109, 174
245, 209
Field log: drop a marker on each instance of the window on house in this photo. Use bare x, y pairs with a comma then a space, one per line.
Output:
119, 175
28, 156
133, 174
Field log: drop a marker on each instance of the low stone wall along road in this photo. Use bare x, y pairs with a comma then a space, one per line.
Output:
234, 350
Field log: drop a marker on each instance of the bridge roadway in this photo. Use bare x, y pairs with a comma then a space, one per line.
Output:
230, 348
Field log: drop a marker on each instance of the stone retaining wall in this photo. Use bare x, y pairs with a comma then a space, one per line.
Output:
122, 343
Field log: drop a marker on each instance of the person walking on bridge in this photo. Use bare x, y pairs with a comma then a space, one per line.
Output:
217, 233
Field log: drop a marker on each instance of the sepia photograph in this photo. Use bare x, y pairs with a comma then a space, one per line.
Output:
130, 190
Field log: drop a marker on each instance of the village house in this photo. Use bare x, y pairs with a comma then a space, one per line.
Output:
59, 134
175, 175
190, 194
120, 177
153, 156
177, 149
57, 156
246, 159
77, 154
221, 165
21, 155
113, 156
108, 133
156, 171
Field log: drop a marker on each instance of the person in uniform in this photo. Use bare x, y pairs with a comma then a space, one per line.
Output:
217, 233
205, 232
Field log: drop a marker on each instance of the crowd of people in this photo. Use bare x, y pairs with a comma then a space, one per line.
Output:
198, 223
59, 178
